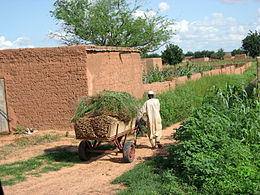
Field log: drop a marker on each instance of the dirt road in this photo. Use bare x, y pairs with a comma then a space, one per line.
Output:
91, 177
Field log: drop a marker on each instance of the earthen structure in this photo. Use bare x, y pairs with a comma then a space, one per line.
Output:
150, 64
44, 85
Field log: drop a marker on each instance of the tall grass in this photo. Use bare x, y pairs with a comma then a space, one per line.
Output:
177, 104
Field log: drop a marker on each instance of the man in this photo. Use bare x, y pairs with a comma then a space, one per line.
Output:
154, 123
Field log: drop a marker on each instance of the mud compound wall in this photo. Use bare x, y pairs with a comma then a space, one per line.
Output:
114, 68
151, 63
43, 84
160, 87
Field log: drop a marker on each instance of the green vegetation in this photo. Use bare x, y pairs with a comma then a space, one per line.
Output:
13, 173
218, 152
205, 53
172, 55
37, 139
21, 142
169, 73
19, 130
223, 62
177, 104
238, 51
152, 55
110, 23
186, 69
251, 44
219, 144
121, 105
16, 172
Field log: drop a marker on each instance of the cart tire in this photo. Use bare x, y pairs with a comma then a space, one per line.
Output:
129, 152
84, 155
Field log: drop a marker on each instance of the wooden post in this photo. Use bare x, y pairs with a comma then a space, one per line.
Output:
258, 76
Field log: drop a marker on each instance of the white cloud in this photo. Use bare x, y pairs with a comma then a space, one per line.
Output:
143, 14
20, 42
182, 26
211, 33
163, 6
220, 20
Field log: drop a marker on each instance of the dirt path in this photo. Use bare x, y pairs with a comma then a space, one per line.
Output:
91, 177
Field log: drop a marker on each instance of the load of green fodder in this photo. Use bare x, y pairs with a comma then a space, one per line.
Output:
219, 145
95, 114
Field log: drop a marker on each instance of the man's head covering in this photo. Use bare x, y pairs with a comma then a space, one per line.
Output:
150, 93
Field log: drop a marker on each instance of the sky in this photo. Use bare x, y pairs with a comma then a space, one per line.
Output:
199, 24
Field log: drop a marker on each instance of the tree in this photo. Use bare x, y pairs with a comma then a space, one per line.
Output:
172, 55
110, 23
189, 53
218, 55
237, 51
203, 54
152, 55
251, 44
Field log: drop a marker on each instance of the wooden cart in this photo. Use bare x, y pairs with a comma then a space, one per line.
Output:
118, 138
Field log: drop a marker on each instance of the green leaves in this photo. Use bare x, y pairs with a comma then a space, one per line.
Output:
110, 23
172, 55
251, 44
219, 143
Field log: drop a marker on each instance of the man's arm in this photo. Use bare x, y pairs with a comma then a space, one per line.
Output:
141, 112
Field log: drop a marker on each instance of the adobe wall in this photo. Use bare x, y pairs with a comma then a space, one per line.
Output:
206, 59
43, 85
160, 87
151, 63
114, 68
240, 56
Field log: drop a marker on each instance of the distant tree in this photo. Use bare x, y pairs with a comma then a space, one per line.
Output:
203, 54
238, 51
251, 44
152, 55
189, 53
218, 55
172, 55
110, 23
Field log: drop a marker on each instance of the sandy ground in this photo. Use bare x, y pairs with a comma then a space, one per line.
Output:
90, 177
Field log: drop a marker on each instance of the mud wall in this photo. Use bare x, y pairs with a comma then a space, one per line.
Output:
44, 85
114, 68
151, 63
160, 87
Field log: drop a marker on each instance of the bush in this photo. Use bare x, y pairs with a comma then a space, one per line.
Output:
218, 143
172, 55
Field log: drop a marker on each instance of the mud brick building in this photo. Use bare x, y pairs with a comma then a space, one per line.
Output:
40, 87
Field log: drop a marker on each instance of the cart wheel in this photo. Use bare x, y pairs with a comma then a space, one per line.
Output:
129, 152
83, 153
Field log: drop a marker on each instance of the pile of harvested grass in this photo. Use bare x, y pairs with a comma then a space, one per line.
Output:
120, 105
91, 116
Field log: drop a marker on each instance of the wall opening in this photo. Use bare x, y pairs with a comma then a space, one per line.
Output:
3, 110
